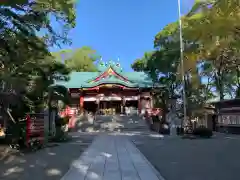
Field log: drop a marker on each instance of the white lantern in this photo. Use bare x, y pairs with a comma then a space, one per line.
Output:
97, 101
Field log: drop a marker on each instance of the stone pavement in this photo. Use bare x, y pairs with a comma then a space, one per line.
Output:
50, 163
198, 159
112, 157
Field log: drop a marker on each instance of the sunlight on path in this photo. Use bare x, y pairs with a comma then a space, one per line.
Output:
112, 157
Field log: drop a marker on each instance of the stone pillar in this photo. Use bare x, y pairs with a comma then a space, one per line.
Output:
98, 104
123, 105
139, 105
151, 102
52, 124
143, 106
46, 125
173, 117
173, 102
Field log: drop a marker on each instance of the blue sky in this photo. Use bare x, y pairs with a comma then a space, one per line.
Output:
122, 28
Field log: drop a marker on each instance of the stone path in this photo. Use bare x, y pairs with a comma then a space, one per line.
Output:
112, 157
50, 163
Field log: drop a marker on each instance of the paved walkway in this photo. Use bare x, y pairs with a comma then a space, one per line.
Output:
112, 157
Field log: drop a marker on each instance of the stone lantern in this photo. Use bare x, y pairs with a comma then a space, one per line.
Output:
173, 103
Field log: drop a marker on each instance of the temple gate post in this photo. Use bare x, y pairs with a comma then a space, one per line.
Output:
98, 104
139, 104
81, 103
151, 101
124, 105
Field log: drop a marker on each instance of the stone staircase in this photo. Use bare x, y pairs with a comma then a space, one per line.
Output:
115, 123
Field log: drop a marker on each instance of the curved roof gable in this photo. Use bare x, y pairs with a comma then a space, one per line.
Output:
109, 73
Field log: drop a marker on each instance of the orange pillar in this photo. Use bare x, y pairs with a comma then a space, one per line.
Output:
81, 104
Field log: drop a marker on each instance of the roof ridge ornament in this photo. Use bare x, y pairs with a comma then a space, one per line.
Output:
118, 62
101, 63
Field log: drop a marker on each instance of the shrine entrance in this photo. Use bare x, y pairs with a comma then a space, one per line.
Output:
133, 104
110, 107
110, 90
90, 106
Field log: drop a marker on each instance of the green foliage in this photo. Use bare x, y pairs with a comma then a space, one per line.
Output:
170, 30
161, 65
138, 65
61, 135
61, 121
212, 54
27, 19
27, 67
217, 46
80, 60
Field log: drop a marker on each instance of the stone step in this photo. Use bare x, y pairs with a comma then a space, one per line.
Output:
109, 124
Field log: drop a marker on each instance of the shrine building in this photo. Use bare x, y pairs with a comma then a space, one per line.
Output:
110, 90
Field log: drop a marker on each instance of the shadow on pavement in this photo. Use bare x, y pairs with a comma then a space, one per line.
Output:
198, 159
50, 163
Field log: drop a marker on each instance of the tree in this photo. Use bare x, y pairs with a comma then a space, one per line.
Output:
162, 68
216, 46
31, 17
82, 59
220, 16
141, 63
27, 68
138, 65
220, 42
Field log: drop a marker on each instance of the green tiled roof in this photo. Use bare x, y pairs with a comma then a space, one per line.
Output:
82, 80
111, 80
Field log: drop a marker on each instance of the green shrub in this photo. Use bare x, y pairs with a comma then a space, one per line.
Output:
155, 119
61, 121
65, 120
203, 131
61, 135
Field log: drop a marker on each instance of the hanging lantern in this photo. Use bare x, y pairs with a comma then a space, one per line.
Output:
97, 100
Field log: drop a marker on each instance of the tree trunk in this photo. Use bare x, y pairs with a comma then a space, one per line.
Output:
219, 76
219, 83
238, 82
221, 93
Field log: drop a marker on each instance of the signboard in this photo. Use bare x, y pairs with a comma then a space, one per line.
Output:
110, 86
74, 95
89, 98
131, 98
35, 127
35, 120
229, 119
110, 98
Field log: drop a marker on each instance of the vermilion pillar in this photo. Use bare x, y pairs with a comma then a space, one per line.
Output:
81, 103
